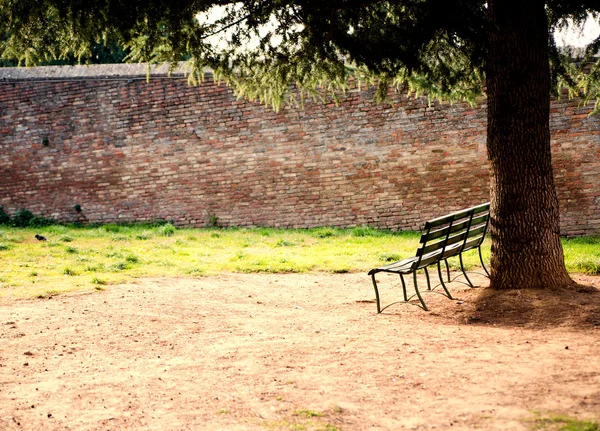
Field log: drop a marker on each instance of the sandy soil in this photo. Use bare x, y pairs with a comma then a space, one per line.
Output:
252, 352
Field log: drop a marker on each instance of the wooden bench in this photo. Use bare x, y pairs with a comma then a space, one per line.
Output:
441, 238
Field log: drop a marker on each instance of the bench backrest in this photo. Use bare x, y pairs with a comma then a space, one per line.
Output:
452, 234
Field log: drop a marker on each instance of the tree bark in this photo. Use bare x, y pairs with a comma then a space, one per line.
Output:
526, 247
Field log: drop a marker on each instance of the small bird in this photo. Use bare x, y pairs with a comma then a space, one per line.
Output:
40, 237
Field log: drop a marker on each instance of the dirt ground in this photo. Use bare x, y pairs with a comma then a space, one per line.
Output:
253, 352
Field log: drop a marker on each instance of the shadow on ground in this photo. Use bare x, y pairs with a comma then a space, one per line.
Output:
577, 307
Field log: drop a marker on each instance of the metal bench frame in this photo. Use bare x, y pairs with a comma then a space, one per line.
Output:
441, 238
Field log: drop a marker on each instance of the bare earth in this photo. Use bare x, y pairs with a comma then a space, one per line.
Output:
252, 352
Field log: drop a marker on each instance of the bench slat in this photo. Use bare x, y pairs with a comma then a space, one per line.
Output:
450, 240
455, 227
475, 242
441, 232
396, 266
457, 215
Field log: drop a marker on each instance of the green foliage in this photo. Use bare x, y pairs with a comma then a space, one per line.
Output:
311, 45
119, 266
213, 220
111, 227
41, 222
69, 271
71, 250
22, 218
100, 281
4, 217
131, 258
260, 48
167, 230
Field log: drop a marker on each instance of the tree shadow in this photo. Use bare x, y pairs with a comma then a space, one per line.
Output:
576, 307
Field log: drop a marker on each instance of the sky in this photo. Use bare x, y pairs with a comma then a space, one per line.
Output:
576, 38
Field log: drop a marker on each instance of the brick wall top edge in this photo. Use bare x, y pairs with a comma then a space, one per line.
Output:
88, 71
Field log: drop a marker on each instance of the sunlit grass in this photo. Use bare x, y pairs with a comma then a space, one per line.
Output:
583, 254
92, 257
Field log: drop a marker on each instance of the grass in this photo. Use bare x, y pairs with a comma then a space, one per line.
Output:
582, 254
308, 413
86, 258
562, 423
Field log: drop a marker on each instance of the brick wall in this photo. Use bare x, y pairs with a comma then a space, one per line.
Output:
125, 149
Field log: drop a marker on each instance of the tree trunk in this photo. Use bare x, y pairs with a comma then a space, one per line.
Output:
526, 248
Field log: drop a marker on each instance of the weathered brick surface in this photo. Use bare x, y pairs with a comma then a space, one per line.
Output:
126, 149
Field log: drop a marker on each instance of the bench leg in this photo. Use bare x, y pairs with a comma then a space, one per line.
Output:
462, 267
482, 264
419, 293
447, 269
439, 266
403, 291
376, 293
403, 288
427, 276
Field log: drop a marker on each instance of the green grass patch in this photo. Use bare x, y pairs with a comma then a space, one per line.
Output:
73, 257
284, 243
69, 271
582, 254
98, 281
563, 423
71, 250
308, 413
